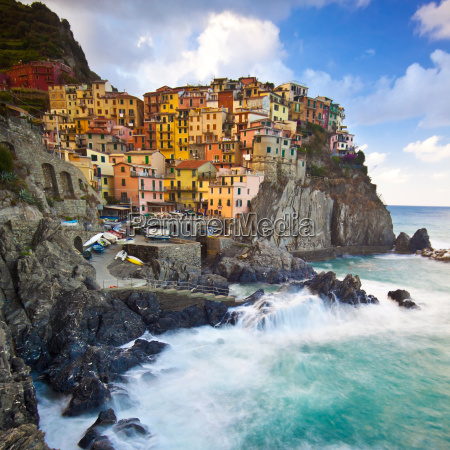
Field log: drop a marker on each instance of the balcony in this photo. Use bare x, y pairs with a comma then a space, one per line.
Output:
206, 177
228, 150
156, 189
169, 176
182, 188
145, 175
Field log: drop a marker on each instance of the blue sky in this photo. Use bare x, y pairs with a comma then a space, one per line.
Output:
386, 62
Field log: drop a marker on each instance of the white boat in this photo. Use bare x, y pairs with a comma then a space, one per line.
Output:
121, 255
158, 233
104, 242
125, 241
93, 240
110, 237
134, 260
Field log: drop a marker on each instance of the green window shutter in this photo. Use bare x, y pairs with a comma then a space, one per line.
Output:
129, 159
90, 136
115, 146
103, 136
239, 191
142, 195
103, 159
146, 160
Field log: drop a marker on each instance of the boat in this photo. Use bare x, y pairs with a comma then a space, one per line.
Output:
158, 234
121, 255
69, 223
103, 242
110, 237
97, 247
87, 254
125, 241
134, 260
93, 240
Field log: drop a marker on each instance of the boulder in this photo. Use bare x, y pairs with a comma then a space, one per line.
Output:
329, 288
102, 443
254, 297
88, 439
403, 298
420, 240
402, 243
130, 428
90, 394
106, 417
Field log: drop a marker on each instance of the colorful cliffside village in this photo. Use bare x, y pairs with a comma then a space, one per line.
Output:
205, 149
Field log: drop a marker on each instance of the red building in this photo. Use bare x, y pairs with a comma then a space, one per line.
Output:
38, 74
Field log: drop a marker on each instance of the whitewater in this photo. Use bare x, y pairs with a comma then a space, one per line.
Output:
295, 373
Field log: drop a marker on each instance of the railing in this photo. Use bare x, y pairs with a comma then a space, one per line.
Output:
187, 285
145, 175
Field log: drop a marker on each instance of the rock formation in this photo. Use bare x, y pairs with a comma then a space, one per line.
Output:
420, 241
261, 261
344, 213
329, 288
403, 298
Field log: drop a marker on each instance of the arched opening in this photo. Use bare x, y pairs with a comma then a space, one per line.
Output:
66, 184
81, 184
50, 183
78, 244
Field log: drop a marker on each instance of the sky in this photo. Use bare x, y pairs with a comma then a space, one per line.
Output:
386, 61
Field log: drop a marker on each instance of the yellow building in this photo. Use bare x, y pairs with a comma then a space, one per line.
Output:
190, 185
207, 125
84, 163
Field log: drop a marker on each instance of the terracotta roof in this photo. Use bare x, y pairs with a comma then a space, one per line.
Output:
190, 164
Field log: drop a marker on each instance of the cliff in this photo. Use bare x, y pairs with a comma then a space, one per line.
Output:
34, 32
342, 207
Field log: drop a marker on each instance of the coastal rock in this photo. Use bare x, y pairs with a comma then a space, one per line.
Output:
215, 312
17, 396
348, 291
402, 243
88, 439
24, 437
106, 417
254, 297
218, 283
130, 428
87, 396
420, 240
344, 212
403, 298
102, 443
262, 261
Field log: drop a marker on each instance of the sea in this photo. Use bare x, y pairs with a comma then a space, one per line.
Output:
295, 373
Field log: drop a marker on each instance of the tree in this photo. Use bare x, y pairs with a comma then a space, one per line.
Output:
360, 157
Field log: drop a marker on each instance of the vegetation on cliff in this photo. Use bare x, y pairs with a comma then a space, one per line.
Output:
34, 32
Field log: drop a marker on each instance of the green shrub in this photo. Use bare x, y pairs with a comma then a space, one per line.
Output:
6, 160
317, 171
360, 157
336, 159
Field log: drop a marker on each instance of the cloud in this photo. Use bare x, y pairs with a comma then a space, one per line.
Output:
419, 93
374, 159
429, 150
439, 176
229, 45
434, 20
393, 176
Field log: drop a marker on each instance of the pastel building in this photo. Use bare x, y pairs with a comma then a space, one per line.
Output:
230, 195
341, 143
189, 186
137, 185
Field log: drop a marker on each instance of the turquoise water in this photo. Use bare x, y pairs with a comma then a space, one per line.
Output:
296, 374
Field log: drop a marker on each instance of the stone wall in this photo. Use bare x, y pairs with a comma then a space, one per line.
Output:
182, 251
49, 176
273, 168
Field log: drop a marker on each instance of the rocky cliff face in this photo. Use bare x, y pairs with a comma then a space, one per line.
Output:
343, 212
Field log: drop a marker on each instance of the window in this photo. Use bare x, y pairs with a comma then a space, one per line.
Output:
105, 180
103, 159
211, 201
90, 145
241, 179
248, 202
220, 202
103, 147
239, 191
123, 181
143, 208
178, 172
268, 149
129, 158
122, 169
93, 157
228, 202
238, 203
115, 148
193, 173
142, 195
